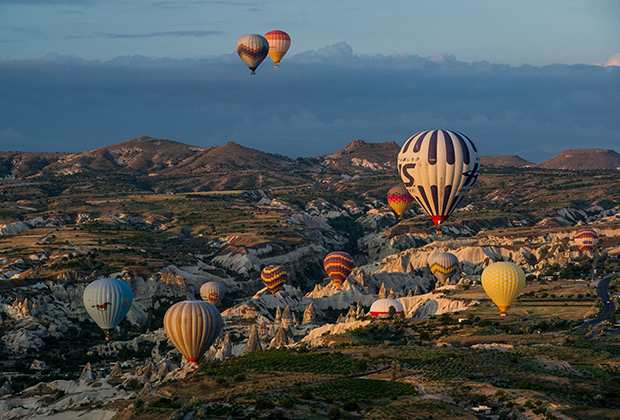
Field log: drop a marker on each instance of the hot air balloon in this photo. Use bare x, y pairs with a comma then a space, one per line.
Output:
192, 326
503, 282
212, 292
399, 199
274, 277
586, 239
279, 43
438, 168
107, 301
444, 266
338, 266
381, 308
252, 49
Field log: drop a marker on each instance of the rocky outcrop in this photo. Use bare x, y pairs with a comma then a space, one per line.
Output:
253, 343
87, 373
309, 314
281, 339
11, 228
116, 370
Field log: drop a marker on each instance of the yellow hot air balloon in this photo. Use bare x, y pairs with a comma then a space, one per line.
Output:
252, 49
279, 43
444, 266
399, 199
503, 282
192, 326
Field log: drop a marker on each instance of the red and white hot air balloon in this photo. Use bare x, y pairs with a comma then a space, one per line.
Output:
279, 43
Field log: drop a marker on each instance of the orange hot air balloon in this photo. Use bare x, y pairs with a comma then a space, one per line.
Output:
274, 277
399, 199
338, 265
279, 43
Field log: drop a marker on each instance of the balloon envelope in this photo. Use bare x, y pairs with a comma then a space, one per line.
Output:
399, 199
212, 292
444, 266
503, 282
338, 266
381, 307
586, 239
252, 49
192, 326
438, 168
279, 43
274, 277
107, 301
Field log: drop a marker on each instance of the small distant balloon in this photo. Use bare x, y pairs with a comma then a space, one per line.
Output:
503, 282
586, 239
444, 266
192, 326
438, 168
274, 277
399, 199
107, 301
279, 43
212, 292
252, 49
338, 265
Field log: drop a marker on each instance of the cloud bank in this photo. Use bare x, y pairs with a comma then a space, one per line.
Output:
315, 103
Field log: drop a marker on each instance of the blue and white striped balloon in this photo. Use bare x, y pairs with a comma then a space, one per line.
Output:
438, 168
107, 301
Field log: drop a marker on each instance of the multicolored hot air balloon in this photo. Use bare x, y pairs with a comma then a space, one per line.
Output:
444, 266
274, 277
252, 49
503, 282
279, 43
438, 168
586, 239
399, 199
212, 292
107, 301
381, 308
192, 326
338, 266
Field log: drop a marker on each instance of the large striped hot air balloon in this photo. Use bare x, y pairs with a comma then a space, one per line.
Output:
212, 292
444, 266
192, 326
399, 199
338, 266
438, 168
252, 49
274, 277
503, 282
279, 43
107, 301
586, 239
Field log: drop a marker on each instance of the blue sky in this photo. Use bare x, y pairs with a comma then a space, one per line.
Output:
516, 77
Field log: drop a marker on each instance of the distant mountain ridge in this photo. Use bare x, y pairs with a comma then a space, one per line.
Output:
236, 166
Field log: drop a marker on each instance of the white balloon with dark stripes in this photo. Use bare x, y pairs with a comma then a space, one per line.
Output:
212, 292
107, 301
192, 326
438, 168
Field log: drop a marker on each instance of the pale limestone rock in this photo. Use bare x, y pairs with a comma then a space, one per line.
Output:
391, 295
253, 343
340, 319
382, 292
6, 389
309, 314
163, 369
280, 340
287, 317
410, 293
38, 365
116, 370
278, 318
148, 373
87, 373
351, 315
147, 388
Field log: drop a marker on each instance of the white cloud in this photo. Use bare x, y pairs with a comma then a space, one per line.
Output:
614, 60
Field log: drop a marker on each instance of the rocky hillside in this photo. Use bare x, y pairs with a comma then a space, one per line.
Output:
499, 161
583, 159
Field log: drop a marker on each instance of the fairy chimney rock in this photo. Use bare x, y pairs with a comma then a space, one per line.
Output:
278, 318
87, 373
280, 340
391, 295
253, 343
116, 370
309, 314
382, 292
